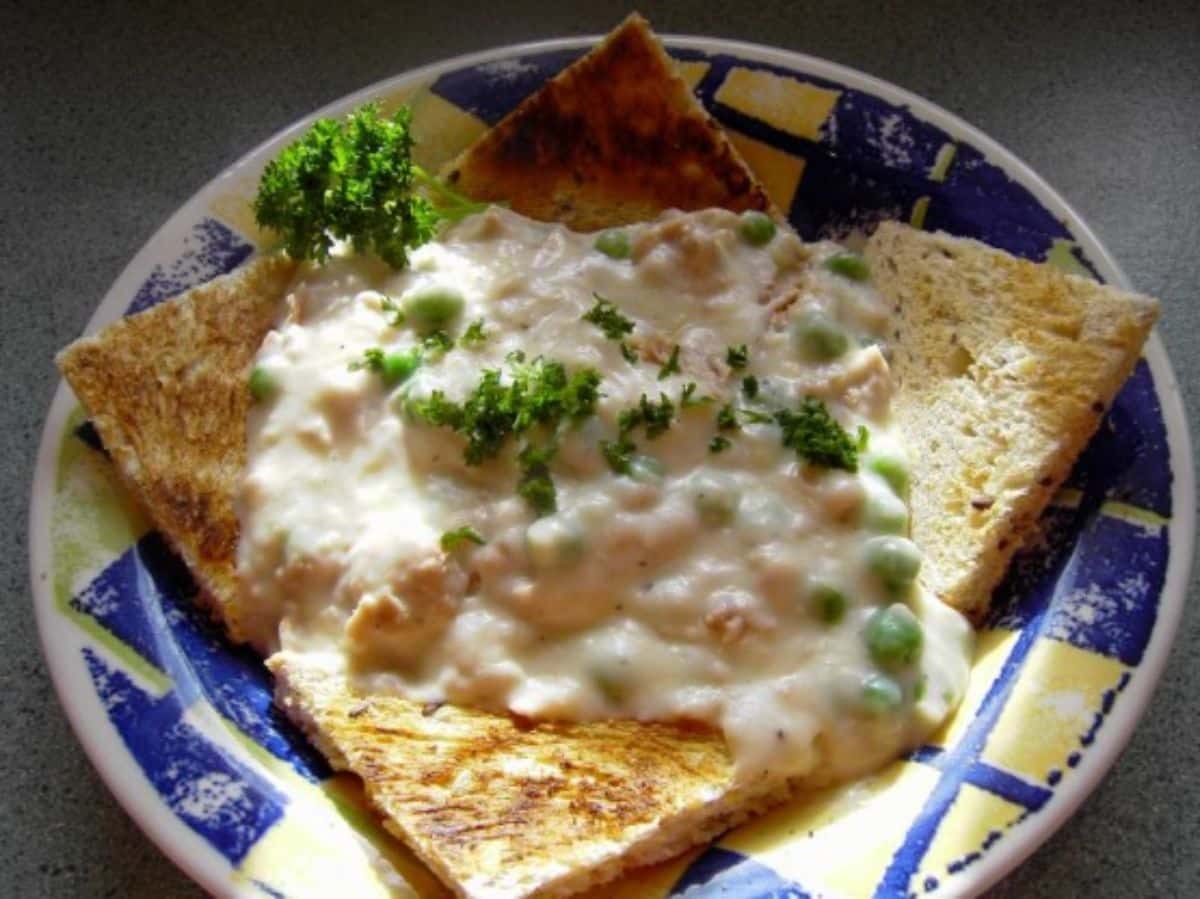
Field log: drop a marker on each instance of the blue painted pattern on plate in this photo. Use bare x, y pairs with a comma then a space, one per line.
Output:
223, 800
165, 626
211, 249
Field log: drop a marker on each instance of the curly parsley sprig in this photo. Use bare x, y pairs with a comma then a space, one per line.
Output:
355, 180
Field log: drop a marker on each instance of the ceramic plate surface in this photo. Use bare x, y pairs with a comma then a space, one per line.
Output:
180, 724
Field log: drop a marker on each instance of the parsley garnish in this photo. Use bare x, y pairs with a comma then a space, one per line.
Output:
437, 410
719, 444
754, 417
393, 368
536, 486
605, 316
474, 335
355, 180
750, 386
815, 435
737, 357
539, 394
617, 453
438, 343
452, 540
655, 417
671, 366
727, 418
687, 397
393, 309
628, 352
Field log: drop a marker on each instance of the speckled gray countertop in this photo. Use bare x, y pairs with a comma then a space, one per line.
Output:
110, 117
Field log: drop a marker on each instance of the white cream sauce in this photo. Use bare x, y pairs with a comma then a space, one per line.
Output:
682, 591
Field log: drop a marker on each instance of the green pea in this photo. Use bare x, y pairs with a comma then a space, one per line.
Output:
553, 542
818, 338
827, 602
849, 265
885, 513
262, 385
894, 637
756, 228
892, 469
894, 560
646, 469
881, 695
614, 244
716, 501
397, 368
432, 308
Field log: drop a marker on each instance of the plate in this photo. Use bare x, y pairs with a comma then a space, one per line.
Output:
180, 724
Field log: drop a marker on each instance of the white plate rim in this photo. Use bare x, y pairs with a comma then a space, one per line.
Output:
201, 863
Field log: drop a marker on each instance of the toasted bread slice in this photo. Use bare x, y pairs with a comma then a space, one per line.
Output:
501, 810
166, 391
1004, 370
616, 137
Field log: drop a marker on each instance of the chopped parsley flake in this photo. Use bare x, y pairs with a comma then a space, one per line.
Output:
655, 417
438, 343
687, 397
452, 540
750, 386
727, 418
605, 316
393, 368
629, 353
618, 453
395, 313
474, 336
719, 444
671, 366
536, 486
539, 394
737, 357
755, 417
816, 436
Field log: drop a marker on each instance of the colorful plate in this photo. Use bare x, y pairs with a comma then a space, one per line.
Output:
180, 724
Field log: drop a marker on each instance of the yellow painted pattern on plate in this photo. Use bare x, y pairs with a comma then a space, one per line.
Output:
838, 842
1056, 698
1063, 259
991, 650
1135, 515
778, 171
917, 217
788, 104
331, 829
93, 522
941, 165
311, 852
693, 72
441, 129
974, 814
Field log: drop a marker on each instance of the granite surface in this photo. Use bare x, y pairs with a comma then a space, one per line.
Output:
111, 115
